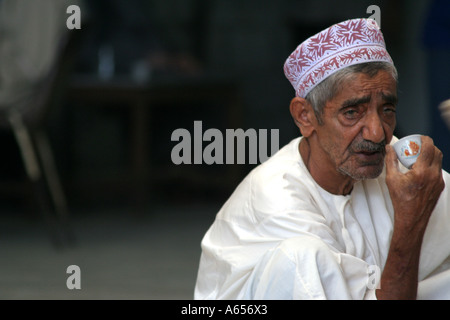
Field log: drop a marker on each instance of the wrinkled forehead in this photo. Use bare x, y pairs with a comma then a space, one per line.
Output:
362, 88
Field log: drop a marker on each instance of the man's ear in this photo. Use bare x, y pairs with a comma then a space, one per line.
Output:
303, 115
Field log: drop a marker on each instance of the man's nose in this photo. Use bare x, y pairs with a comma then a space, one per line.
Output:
373, 128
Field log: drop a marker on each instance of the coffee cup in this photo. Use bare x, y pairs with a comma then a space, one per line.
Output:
408, 149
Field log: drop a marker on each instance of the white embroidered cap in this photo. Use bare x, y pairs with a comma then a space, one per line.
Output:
339, 46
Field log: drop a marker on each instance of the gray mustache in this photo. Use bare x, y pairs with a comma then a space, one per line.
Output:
368, 146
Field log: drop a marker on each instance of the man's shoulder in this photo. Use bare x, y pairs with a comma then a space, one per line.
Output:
280, 180
283, 163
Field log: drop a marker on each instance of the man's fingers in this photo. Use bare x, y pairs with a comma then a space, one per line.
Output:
427, 152
391, 160
438, 157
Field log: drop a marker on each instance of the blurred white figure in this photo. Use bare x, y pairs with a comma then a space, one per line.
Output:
444, 107
29, 34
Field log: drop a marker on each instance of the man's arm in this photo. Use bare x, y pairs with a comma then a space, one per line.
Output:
414, 196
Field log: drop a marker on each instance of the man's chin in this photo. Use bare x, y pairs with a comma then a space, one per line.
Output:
364, 172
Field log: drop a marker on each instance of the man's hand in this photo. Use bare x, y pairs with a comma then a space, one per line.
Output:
414, 195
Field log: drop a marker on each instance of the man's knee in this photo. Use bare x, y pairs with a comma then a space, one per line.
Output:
304, 247
282, 270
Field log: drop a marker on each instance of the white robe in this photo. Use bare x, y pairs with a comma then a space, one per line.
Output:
281, 236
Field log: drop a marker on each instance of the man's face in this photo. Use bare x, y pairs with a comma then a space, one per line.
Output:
357, 123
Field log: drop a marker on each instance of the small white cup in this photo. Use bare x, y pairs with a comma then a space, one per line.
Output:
408, 149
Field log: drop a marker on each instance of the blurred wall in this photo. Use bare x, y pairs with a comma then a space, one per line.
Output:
245, 41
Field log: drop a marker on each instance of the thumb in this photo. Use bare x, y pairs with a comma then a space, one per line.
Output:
391, 160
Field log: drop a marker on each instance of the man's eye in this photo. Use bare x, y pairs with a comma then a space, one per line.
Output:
351, 113
389, 109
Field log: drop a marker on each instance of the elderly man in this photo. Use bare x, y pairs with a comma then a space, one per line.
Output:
333, 211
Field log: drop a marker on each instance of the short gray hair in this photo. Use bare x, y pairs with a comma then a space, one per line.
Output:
328, 88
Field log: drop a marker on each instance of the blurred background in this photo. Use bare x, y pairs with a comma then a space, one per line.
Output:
87, 116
